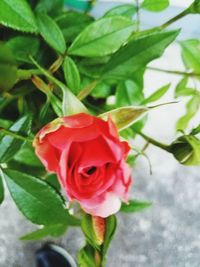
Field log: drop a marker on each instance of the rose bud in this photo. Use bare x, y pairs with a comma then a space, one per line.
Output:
89, 159
186, 149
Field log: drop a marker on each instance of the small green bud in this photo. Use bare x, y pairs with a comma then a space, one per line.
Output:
186, 149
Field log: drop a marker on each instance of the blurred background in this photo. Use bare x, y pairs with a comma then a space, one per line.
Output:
168, 233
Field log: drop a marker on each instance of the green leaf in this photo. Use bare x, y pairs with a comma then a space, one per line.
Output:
50, 230
87, 228
52, 179
71, 104
135, 206
51, 32
155, 5
126, 10
79, 4
101, 90
191, 54
124, 117
9, 146
128, 93
26, 155
102, 37
51, 7
195, 130
8, 68
72, 76
136, 54
17, 14
186, 149
5, 123
86, 257
192, 108
1, 189
22, 47
37, 200
182, 89
72, 23
111, 225
195, 7
157, 95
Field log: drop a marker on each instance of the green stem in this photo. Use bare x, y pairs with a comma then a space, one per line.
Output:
15, 135
175, 72
27, 74
138, 15
179, 16
154, 142
87, 90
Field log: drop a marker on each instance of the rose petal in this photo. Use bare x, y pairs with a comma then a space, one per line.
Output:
109, 206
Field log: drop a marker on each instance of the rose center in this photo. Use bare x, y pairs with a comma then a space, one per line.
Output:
91, 170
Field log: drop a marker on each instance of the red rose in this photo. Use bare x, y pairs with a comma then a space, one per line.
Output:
89, 159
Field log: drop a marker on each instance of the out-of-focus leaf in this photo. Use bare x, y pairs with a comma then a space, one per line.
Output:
136, 54
51, 32
22, 47
135, 206
72, 23
124, 117
102, 90
191, 54
192, 108
72, 76
5, 123
1, 189
50, 230
37, 200
182, 89
102, 37
157, 95
126, 10
9, 146
17, 14
8, 68
79, 4
155, 5
51, 7
186, 149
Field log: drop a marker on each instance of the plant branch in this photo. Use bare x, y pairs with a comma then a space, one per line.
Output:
27, 74
138, 15
154, 142
15, 135
87, 90
175, 72
179, 16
